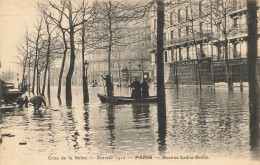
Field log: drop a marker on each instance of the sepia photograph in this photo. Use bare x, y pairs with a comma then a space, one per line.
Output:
129, 82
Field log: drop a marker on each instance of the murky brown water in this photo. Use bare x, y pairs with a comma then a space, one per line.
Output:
214, 123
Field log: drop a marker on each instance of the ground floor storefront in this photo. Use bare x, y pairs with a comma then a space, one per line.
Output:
190, 72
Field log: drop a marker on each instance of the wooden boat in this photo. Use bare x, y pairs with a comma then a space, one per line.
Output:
125, 100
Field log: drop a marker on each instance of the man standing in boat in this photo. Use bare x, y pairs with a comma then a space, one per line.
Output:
136, 92
109, 85
145, 89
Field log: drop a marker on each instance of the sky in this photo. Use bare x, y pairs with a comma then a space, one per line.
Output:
15, 15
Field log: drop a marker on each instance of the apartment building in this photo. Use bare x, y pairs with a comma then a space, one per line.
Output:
129, 58
198, 30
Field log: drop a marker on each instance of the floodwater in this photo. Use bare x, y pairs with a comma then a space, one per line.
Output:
209, 123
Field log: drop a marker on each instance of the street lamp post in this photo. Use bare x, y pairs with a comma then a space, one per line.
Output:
85, 83
86, 64
119, 74
18, 80
130, 72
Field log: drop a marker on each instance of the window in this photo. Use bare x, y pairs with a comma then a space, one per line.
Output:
235, 22
179, 15
179, 32
165, 56
187, 13
180, 57
171, 18
201, 28
218, 29
172, 55
155, 24
200, 9
164, 37
171, 34
187, 30
165, 20
188, 53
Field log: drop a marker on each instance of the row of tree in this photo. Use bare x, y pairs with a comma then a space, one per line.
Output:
63, 24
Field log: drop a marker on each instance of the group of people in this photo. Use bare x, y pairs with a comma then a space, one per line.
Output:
139, 90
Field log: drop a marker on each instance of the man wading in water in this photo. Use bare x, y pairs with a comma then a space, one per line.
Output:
37, 101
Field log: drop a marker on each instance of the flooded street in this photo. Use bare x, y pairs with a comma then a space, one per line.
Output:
213, 123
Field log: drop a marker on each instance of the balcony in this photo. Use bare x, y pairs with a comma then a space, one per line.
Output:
238, 31
238, 7
188, 38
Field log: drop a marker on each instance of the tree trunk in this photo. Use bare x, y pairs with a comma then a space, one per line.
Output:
194, 40
38, 79
160, 63
63, 63
228, 77
119, 75
48, 85
110, 40
34, 73
72, 58
47, 61
211, 30
38, 83
198, 64
26, 58
228, 74
253, 77
84, 79
29, 72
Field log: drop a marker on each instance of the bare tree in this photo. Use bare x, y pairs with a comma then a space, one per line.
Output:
113, 18
49, 31
85, 9
58, 20
24, 52
221, 11
38, 28
194, 40
68, 20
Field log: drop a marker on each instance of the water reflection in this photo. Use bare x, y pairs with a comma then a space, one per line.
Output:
38, 114
211, 121
254, 108
86, 126
141, 115
111, 125
161, 119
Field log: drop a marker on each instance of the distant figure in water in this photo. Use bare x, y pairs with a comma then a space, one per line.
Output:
37, 101
136, 92
109, 85
145, 89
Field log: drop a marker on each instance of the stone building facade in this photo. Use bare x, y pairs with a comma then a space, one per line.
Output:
199, 29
